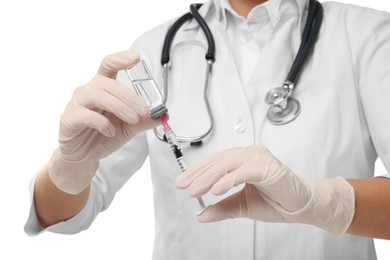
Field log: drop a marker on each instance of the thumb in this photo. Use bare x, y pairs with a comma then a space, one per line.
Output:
144, 123
231, 207
113, 63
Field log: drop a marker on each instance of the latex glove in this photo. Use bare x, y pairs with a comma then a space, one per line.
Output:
101, 117
272, 192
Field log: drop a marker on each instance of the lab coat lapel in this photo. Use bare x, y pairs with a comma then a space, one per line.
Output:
234, 125
228, 93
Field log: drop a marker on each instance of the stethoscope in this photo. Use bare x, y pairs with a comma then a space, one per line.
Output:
283, 108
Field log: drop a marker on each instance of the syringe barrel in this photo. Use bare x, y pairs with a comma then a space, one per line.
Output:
171, 137
172, 140
182, 164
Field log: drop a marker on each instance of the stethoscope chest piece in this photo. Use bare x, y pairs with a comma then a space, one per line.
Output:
283, 109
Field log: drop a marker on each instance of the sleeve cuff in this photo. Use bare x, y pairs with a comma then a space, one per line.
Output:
78, 223
384, 176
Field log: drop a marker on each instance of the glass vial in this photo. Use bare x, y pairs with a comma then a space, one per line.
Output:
145, 87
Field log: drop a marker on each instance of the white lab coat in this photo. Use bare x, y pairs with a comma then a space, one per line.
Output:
343, 127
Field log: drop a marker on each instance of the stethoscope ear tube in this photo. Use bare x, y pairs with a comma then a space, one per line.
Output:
210, 58
170, 35
309, 38
209, 36
210, 55
192, 140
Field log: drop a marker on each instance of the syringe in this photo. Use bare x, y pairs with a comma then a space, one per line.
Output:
172, 140
145, 86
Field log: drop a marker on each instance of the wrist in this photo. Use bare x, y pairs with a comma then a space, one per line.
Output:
328, 204
71, 177
334, 205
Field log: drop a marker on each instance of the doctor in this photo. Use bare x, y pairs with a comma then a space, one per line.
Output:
304, 190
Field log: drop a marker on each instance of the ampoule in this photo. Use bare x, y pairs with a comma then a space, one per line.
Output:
145, 87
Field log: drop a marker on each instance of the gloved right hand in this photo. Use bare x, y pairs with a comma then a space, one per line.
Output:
272, 191
101, 117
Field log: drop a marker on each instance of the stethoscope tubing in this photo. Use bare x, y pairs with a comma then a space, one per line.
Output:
308, 40
210, 55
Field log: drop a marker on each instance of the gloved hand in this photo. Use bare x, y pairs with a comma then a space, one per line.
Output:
272, 192
101, 117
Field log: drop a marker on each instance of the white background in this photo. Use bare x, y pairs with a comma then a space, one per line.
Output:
48, 48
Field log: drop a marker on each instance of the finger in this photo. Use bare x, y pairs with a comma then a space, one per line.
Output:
85, 118
113, 63
184, 180
221, 169
205, 181
120, 91
145, 123
251, 171
231, 207
99, 99
229, 181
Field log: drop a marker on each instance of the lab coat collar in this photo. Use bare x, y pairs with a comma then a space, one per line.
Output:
276, 9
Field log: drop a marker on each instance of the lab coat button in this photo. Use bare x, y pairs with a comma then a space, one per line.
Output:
240, 127
245, 37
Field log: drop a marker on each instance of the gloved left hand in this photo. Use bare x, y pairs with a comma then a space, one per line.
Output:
272, 192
